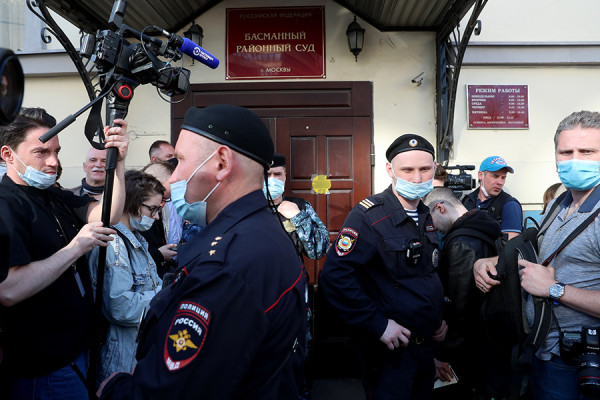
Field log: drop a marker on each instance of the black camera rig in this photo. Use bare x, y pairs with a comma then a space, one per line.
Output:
113, 54
462, 180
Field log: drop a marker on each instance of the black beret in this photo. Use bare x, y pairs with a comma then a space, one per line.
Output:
406, 143
278, 160
233, 126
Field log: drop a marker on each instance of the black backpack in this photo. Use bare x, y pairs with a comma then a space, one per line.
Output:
503, 309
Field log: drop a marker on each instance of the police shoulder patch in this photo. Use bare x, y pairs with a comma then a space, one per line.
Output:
186, 335
345, 241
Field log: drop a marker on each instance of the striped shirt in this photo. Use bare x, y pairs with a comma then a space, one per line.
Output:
414, 215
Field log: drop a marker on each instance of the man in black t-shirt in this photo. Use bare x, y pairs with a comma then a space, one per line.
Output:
46, 299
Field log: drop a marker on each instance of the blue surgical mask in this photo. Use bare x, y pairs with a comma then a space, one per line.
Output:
579, 174
276, 188
196, 212
33, 177
412, 191
141, 226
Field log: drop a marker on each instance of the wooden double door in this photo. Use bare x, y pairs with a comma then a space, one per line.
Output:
323, 128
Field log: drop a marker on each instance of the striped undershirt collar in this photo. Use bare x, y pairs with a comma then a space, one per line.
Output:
414, 214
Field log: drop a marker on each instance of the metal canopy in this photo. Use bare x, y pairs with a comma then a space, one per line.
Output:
173, 15
440, 16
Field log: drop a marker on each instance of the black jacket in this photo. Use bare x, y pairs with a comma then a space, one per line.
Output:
225, 328
471, 237
495, 206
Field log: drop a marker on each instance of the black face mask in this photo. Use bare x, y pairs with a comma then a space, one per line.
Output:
173, 161
91, 189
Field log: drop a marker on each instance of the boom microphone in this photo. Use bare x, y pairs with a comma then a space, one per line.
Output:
198, 53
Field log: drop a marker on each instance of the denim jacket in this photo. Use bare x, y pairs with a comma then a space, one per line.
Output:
130, 282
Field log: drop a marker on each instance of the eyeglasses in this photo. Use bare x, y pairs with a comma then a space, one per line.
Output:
153, 209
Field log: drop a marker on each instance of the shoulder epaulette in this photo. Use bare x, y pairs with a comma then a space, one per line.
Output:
366, 204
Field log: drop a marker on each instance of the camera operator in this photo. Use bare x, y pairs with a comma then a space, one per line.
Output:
46, 297
490, 197
440, 177
573, 280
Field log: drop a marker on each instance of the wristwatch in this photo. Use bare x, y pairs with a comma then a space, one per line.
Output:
556, 291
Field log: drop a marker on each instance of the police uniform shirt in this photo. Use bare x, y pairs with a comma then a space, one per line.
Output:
369, 275
229, 320
49, 329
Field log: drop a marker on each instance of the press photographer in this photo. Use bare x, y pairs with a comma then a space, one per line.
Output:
570, 284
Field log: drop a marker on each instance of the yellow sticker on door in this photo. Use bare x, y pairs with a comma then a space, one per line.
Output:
321, 184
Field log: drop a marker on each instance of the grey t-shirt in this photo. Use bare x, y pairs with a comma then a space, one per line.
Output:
576, 265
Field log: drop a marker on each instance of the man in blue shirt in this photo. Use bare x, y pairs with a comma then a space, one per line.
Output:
489, 196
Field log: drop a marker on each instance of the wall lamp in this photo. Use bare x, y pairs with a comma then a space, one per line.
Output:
195, 33
356, 38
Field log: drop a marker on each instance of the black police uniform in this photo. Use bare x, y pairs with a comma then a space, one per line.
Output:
382, 266
226, 327
51, 328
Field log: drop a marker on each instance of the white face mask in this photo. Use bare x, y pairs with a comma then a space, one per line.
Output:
482, 186
33, 177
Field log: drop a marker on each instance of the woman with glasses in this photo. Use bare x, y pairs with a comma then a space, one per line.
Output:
130, 279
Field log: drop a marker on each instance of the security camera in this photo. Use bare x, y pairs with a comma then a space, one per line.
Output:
418, 80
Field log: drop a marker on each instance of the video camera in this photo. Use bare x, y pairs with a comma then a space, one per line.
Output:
122, 66
139, 62
462, 180
110, 52
12, 84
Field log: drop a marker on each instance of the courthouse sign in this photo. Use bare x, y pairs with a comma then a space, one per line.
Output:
498, 106
278, 42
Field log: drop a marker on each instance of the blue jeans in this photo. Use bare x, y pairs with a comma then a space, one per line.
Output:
62, 384
554, 380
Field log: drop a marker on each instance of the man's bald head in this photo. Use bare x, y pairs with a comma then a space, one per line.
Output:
162, 171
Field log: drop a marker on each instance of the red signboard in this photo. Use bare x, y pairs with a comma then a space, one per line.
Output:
278, 42
498, 106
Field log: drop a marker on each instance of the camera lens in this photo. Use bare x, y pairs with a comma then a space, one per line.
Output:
11, 86
589, 374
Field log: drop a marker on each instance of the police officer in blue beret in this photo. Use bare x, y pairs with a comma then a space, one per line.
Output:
231, 324
380, 275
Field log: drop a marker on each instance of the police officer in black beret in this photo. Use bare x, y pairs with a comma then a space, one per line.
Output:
380, 275
231, 324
